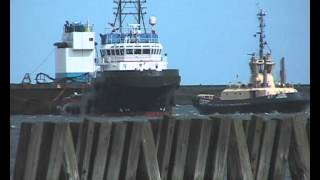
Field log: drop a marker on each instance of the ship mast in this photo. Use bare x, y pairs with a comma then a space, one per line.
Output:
262, 42
132, 8
261, 66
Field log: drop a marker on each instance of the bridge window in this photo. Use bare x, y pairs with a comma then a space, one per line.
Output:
121, 51
129, 51
137, 51
108, 52
112, 51
117, 52
103, 52
146, 51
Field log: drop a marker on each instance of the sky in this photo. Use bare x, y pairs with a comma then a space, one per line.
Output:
208, 40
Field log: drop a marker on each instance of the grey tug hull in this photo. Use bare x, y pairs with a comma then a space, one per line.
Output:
290, 103
132, 91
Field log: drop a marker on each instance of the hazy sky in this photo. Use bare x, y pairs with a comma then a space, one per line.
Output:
207, 40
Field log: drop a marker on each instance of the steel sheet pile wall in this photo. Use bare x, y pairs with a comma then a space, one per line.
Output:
166, 149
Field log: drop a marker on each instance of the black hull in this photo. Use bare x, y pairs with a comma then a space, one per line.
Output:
133, 91
293, 102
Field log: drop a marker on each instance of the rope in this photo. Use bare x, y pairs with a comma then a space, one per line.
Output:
59, 95
43, 61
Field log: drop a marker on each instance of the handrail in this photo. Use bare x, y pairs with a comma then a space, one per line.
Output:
127, 39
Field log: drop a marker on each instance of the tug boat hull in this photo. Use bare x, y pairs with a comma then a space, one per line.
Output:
285, 103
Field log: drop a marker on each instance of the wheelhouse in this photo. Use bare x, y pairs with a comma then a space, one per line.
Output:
206, 96
132, 50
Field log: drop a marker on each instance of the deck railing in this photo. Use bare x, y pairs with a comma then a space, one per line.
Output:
113, 38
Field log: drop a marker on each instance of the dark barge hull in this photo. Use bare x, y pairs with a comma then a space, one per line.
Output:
293, 102
31, 99
132, 91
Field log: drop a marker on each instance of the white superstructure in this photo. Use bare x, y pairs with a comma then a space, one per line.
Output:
132, 50
75, 55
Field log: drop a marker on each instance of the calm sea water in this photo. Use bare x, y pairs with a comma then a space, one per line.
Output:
180, 111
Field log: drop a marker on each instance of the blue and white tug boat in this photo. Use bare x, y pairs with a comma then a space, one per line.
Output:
133, 74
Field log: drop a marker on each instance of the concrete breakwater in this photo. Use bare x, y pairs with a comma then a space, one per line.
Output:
262, 147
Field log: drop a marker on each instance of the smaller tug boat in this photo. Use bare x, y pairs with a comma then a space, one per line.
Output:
261, 95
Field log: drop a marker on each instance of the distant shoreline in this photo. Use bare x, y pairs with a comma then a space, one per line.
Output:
185, 93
